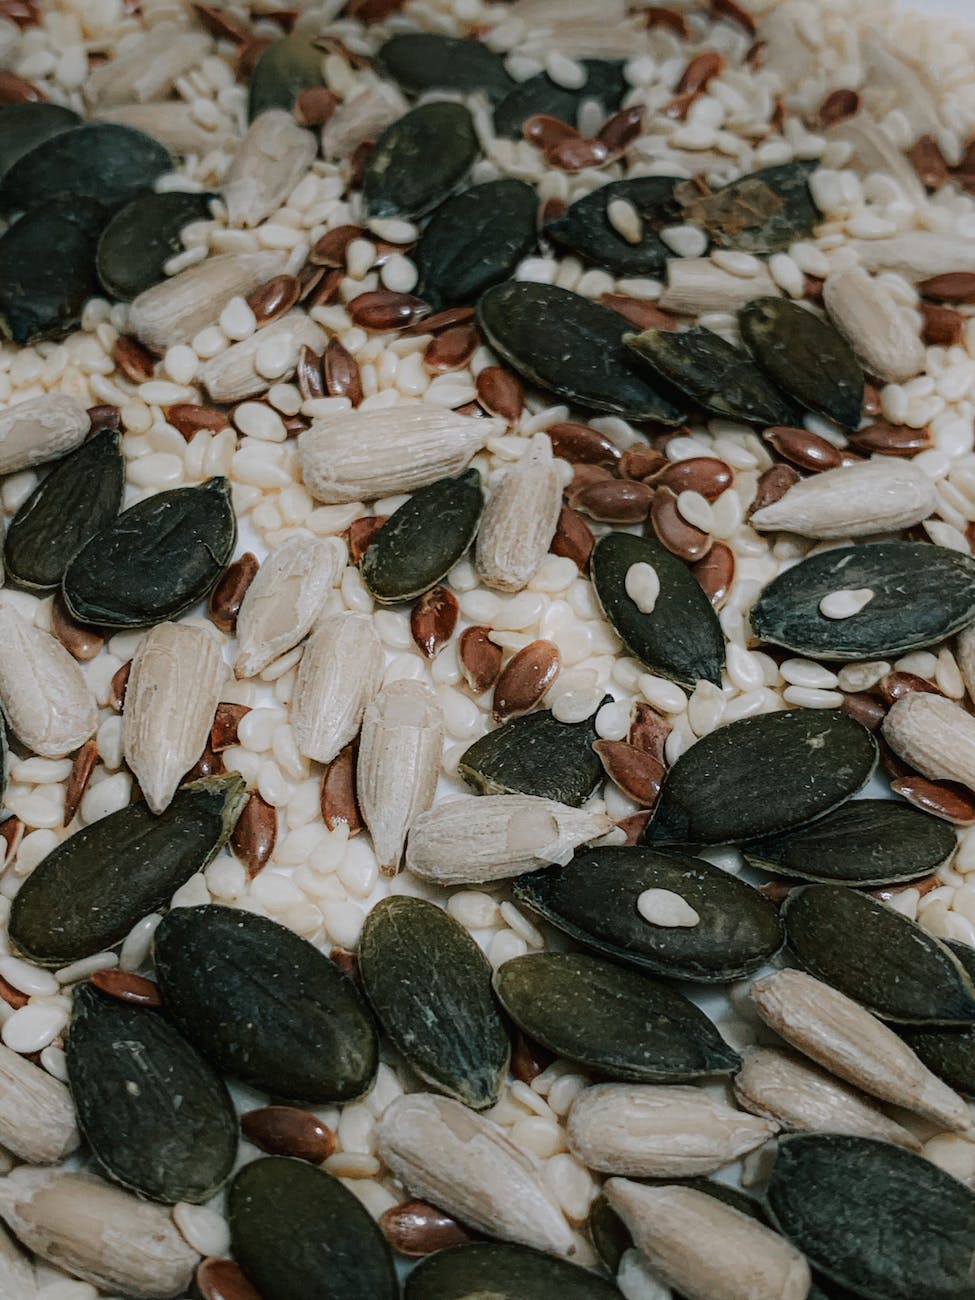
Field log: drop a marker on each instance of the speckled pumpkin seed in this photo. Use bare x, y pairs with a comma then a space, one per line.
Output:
156, 1116
281, 72
422, 61
25, 126
141, 237
585, 228
430, 987
264, 1005
762, 775
593, 899
419, 161
763, 212
47, 268
535, 754
540, 94
155, 560
505, 1272
948, 1050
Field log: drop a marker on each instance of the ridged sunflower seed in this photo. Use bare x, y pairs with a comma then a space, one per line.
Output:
39, 430
284, 69
16, 1269
141, 238
398, 764
363, 116
27, 125
849, 1042
45, 697
659, 1131
918, 255
452, 1157
476, 838
585, 227
696, 285
171, 697
538, 755
341, 670
936, 736
232, 375
762, 213
172, 123
271, 159
422, 61
146, 69
419, 161
37, 1119
285, 599
875, 325
505, 1272
519, 519
857, 500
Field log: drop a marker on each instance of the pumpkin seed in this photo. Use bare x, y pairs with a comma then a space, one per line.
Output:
475, 240
585, 227
423, 540
24, 126
877, 956
949, 1050
826, 1187
806, 357
264, 1005
283, 70
577, 351
419, 161
142, 237
4, 761
540, 94
611, 1020
47, 268
763, 775
866, 842
593, 899
536, 754
430, 987
422, 61
155, 560
88, 892
282, 1209
505, 1272
763, 212
681, 637
921, 594
155, 1115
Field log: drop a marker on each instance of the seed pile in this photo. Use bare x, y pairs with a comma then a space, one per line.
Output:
483, 488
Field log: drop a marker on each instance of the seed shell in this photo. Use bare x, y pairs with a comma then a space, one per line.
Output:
47, 268
270, 161
41, 429
37, 1117
423, 61
419, 161
853, 500
341, 670
138, 241
949, 1050
585, 227
282, 71
604, 84
538, 755
505, 1272
46, 699
762, 213
27, 125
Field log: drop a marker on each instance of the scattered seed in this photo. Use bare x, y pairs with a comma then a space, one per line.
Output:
288, 1131
525, 679
433, 620
77, 783
416, 1228
127, 987
338, 801
255, 834
228, 595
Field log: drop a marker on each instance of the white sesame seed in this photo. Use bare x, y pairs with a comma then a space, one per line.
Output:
846, 602
642, 586
665, 908
625, 220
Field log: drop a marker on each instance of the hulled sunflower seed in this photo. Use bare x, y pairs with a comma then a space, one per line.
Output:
519, 519
362, 115
936, 736
875, 325
696, 284
16, 1269
341, 670
172, 123
39, 430
37, 1119
271, 160
874, 496
45, 697
242, 372
146, 69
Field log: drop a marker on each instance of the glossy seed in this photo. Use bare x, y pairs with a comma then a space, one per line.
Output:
338, 801
419, 161
535, 754
126, 987
954, 286
222, 1279
505, 1272
581, 445
255, 833
480, 659
674, 531
450, 350
573, 538
807, 450
500, 393
227, 596
943, 799
288, 1131
638, 774
382, 310
188, 419
716, 572
273, 298
415, 1228
77, 783
526, 678
615, 501
433, 620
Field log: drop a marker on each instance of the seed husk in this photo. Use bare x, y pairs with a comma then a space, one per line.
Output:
45, 697
28, 125
585, 227
138, 241
537, 755
936, 736
232, 375
875, 325
519, 519
415, 1228
593, 899
422, 61
854, 500
283, 70
37, 1118
540, 94
89, 891
47, 267
341, 671
419, 161
155, 560
505, 1272
333, 1248
264, 1006
270, 160
762, 213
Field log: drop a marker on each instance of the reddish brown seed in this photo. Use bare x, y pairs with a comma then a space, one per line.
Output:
640, 312
805, 449
773, 485
583, 475
382, 309
638, 774
116, 693
894, 686
474, 409
341, 370
222, 1279
734, 13
79, 639
134, 361
702, 69
309, 278
615, 500
525, 679
704, 474
104, 416
480, 659
929, 163
358, 163
210, 763
414, 1228
866, 709
78, 778
716, 572
670, 19
18, 90
255, 834
923, 886
575, 155
13, 997
643, 463
954, 286
892, 763
315, 105
226, 720
360, 535
528, 1058
941, 326
545, 131
433, 620
679, 106
11, 833
777, 891
347, 962
311, 379
188, 419
450, 350
295, 423
373, 11
338, 799
813, 288
622, 128
573, 538
634, 826
274, 297
837, 107
580, 445
227, 595
500, 392
221, 24
871, 399
288, 1131
440, 320
323, 290
550, 211
331, 249
777, 120
648, 731
126, 987
673, 530
953, 803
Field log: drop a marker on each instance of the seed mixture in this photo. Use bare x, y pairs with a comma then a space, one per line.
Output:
484, 486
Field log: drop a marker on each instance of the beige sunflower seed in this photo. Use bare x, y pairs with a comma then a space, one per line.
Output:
660, 1131
873, 496
39, 430
918, 255
695, 285
146, 69
849, 1042
361, 116
37, 1120
398, 765
935, 735
172, 123
705, 1249
341, 670
519, 520
177, 676
461, 1162
361, 455
272, 158
965, 654
98, 1232
286, 597
875, 325
476, 838
242, 372
17, 1281
43, 692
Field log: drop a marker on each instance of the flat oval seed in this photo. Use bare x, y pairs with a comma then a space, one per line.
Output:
141, 238
586, 227
415, 1228
283, 70
505, 1272
288, 1131
126, 987
47, 267
222, 1279
535, 754
419, 161
228, 595
525, 679
423, 61
949, 1051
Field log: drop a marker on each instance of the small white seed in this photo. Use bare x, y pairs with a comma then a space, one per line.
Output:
664, 907
845, 602
642, 586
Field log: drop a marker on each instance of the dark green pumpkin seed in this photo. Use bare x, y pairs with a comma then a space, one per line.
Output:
948, 1050
681, 638
430, 987
806, 357
614, 1021
585, 227
80, 496
500, 1270
475, 240
536, 754
877, 956
760, 213
298, 1233
264, 1005
87, 894
142, 237
156, 1116
921, 594
886, 1223
155, 560
24, 126
866, 842
423, 540
761, 776
570, 346
47, 269
422, 61
593, 899
540, 94
419, 161
4, 759
283, 70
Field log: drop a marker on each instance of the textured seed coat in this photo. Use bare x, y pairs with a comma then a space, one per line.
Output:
873, 496
46, 699
519, 519
340, 672
39, 430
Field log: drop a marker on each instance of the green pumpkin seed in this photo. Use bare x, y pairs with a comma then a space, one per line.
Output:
142, 237
806, 357
866, 842
593, 899
503, 1271
155, 560
156, 1116
80, 496
570, 346
536, 754
87, 894
886, 1223
4, 759
948, 1050
283, 70
47, 269
419, 161
264, 1005
761, 776
585, 227
423, 540
611, 1020
287, 1210
422, 61
761, 213
475, 240
540, 94
877, 956
430, 987
681, 638
24, 126
711, 372
921, 594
